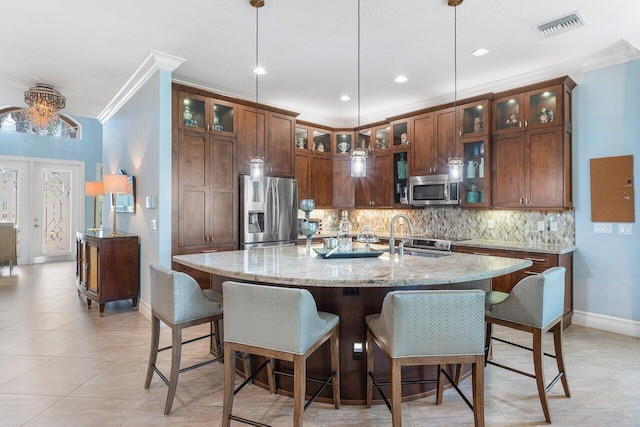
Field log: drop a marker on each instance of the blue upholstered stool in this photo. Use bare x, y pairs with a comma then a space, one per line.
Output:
535, 305
178, 301
429, 328
276, 323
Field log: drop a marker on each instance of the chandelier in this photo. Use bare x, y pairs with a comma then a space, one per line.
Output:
44, 102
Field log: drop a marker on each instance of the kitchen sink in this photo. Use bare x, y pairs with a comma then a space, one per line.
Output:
427, 254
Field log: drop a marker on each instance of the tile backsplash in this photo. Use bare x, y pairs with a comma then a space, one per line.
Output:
456, 223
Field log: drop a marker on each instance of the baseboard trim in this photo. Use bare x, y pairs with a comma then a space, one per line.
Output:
606, 323
144, 308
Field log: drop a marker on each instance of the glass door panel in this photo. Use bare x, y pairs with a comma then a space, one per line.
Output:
302, 138
542, 108
476, 174
223, 117
343, 142
382, 138
508, 114
400, 133
193, 112
321, 141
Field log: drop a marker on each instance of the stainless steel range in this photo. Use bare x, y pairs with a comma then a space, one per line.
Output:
427, 243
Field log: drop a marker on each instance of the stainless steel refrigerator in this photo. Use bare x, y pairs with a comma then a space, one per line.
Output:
269, 211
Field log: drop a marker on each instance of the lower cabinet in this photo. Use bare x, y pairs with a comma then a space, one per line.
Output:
107, 267
541, 262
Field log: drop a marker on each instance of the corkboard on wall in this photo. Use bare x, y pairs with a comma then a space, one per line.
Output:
612, 189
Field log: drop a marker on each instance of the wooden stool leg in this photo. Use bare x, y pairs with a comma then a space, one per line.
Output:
440, 386
271, 377
557, 343
335, 366
539, 372
229, 383
153, 353
396, 393
215, 350
369, 350
299, 389
176, 353
458, 373
477, 379
246, 364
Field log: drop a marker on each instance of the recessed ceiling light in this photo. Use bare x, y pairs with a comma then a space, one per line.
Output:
345, 98
259, 70
479, 52
400, 79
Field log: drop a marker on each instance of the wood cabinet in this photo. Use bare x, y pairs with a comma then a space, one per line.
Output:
374, 190
434, 141
313, 167
204, 184
107, 267
531, 146
272, 137
343, 184
541, 262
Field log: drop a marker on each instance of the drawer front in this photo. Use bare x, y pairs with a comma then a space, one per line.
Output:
541, 262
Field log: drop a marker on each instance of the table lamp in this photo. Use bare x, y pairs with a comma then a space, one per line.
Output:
94, 189
115, 184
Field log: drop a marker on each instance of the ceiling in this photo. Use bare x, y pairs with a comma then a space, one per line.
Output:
88, 50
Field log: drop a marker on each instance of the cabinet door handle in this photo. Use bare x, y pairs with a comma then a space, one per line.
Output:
519, 124
627, 197
521, 201
526, 123
526, 201
460, 133
536, 259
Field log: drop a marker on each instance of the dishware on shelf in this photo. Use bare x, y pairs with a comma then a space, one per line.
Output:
343, 147
473, 196
472, 165
481, 168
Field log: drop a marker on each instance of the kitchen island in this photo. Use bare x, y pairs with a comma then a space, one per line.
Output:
352, 288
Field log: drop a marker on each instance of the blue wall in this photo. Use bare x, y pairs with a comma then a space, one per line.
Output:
88, 150
138, 140
606, 108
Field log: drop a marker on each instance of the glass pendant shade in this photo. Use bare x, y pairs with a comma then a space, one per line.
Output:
359, 163
256, 169
455, 169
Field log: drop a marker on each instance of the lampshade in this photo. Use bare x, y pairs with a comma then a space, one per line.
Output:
115, 183
94, 188
455, 168
256, 169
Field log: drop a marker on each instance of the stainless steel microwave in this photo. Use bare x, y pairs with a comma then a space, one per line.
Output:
432, 190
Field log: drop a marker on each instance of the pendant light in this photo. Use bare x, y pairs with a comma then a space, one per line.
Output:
455, 163
256, 168
359, 154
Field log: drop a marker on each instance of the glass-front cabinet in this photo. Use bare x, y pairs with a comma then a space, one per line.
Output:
343, 142
530, 110
400, 132
202, 114
321, 141
476, 174
302, 138
364, 140
473, 120
400, 176
383, 138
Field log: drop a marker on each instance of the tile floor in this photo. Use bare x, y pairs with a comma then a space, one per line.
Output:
63, 365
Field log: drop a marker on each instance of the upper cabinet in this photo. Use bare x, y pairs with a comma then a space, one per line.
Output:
531, 147
473, 120
205, 114
344, 142
534, 109
255, 127
313, 165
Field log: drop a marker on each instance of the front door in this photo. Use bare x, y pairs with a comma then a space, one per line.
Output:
45, 199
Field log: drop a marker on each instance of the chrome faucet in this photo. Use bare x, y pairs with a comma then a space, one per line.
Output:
392, 241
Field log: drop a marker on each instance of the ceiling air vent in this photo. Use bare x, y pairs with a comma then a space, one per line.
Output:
560, 25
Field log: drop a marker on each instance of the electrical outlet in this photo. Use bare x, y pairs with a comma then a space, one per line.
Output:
553, 226
603, 228
625, 228
491, 224
540, 225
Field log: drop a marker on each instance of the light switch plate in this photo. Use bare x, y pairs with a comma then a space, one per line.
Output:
553, 226
154, 224
540, 225
491, 224
625, 228
603, 228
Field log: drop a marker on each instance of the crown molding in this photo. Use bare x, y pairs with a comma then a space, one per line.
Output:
155, 61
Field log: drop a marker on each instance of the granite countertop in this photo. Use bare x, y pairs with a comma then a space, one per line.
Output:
518, 246
289, 265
